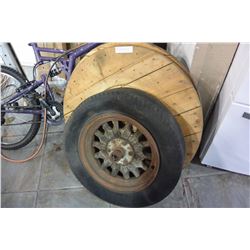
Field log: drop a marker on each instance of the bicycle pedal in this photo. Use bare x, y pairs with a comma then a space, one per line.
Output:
54, 112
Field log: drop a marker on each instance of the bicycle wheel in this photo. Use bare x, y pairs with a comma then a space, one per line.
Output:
17, 129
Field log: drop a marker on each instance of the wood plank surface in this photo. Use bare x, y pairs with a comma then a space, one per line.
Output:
147, 68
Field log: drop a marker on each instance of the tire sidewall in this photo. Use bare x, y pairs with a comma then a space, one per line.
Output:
150, 113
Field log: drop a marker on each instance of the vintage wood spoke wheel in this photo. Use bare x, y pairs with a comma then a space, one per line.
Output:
119, 153
125, 147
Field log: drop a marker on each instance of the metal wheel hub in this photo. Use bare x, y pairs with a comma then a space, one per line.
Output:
119, 153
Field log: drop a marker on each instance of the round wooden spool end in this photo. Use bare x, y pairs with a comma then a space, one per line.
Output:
145, 67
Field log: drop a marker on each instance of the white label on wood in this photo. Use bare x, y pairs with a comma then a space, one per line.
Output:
124, 49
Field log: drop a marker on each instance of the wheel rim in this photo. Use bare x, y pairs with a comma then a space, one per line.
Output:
11, 134
118, 152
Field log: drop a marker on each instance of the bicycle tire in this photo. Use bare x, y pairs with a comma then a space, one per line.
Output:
32, 132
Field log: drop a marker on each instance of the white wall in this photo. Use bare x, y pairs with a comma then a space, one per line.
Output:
228, 144
183, 50
24, 53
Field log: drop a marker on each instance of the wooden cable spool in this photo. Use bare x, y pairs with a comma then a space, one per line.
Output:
145, 67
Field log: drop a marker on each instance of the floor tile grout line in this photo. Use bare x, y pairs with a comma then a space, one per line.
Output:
22, 192
205, 175
55, 132
35, 203
41, 171
66, 188
46, 190
39, 133
185, 192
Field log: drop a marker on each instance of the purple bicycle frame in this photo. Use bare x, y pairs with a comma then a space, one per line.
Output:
67, 66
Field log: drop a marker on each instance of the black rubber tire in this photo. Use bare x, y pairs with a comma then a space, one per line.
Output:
36, 118
150, 113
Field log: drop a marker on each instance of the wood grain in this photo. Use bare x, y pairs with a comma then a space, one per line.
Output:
148, 68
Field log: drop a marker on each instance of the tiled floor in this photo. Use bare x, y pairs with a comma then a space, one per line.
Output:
47, 181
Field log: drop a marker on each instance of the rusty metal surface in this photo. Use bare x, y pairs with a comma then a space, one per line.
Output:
119, 153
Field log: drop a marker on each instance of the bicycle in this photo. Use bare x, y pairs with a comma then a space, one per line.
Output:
24, 106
